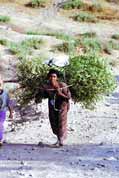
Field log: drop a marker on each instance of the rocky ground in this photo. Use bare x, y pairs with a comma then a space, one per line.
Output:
92, 146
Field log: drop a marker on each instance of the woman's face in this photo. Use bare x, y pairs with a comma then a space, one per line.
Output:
53, 78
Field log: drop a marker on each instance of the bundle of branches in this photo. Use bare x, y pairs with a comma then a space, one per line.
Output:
89, 76
91, 79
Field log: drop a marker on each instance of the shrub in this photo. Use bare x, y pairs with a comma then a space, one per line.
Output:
96, 7
4, 18
68, 47
88, 74
37, 3
32, 75
90, 44
90, 78
113, 45
87, 44
3, 42
72, 4
115, 36
84, 17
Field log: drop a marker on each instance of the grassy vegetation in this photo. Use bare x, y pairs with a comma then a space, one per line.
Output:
79, 4
90, 12
115, 1
115, 36
112, 44
25, 47
3, 42
38, 3
88, 75
72, 4
66, 47
84, 17
4, 18
90, 44
87, 34
84, 43
58, 35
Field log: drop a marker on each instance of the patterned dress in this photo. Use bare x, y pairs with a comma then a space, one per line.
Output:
58, 108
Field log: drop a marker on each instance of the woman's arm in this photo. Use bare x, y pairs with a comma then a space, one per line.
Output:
64, 91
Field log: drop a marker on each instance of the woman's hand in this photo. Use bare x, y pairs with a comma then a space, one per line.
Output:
55, 85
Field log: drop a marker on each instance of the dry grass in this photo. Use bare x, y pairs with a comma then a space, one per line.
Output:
24, 2
38, 3
100, 11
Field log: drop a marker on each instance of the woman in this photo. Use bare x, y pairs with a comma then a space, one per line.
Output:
4, 103
58, 102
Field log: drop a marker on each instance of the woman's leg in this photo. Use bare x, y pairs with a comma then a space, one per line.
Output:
2, 119
62, 131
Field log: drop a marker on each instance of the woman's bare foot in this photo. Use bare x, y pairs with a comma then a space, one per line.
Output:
1, 143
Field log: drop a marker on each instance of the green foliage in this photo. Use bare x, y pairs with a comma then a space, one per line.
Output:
88, 34
115, 36
88, 74
38, 3
113, 45
84, 17
32, 75
90, 78
3, 42
25, 47
4, 18
66, 47
58, 35
72, 4
90, 44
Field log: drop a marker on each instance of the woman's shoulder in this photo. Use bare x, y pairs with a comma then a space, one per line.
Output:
62, 84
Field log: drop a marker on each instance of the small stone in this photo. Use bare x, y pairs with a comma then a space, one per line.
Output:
100, 165
101, 143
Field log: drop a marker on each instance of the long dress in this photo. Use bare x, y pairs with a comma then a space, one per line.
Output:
58, 108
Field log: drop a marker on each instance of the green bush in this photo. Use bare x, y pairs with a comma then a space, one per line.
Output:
113, 45
90, 44
3, 42
38, 3
84, 17
4, 18
115, 36
72, 4
66, 47
32, 75
90, 78
88, 74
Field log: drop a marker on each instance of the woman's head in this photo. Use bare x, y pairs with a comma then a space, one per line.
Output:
53, 75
